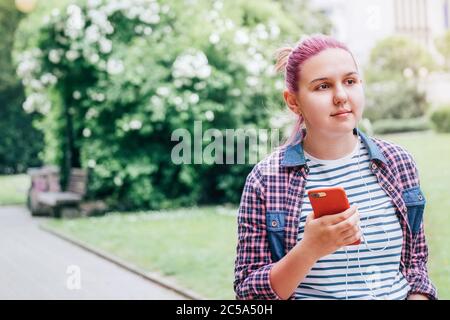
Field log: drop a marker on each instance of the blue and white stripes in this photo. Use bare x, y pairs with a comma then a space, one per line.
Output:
360, 272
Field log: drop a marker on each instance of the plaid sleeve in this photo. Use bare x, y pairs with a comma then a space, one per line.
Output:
253, 261
417, 270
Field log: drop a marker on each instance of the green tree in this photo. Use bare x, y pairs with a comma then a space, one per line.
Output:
21, 142
127, 76
392, 76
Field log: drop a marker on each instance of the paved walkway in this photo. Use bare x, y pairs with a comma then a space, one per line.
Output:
37, 265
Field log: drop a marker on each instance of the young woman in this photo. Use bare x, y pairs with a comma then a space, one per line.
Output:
282, 251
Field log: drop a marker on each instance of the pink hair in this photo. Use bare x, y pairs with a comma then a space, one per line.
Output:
290, 61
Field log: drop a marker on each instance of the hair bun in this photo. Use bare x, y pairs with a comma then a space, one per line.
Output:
282, 56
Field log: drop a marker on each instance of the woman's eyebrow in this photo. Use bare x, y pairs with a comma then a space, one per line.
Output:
346, 75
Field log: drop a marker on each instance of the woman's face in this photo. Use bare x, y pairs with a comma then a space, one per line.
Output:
330, 96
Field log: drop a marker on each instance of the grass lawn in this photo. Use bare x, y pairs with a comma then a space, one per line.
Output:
197, 245
432, 154
14, 189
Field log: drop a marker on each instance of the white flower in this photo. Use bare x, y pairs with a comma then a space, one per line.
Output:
37, 102
191, 65
408, 73
423, 72
165, 8
76, 95
48, 79
118, 181
148, 31
209, 115
200, 85
156, 101
252, 81
86, 132
149, 17
274, 30
235, 92
279, 85
135, 124
105, 45
94, 58
194, 98
229, 24
138, 29
94, 3
75, 22
92, 163
261, 31
241, 37
214, 38
218, 5
55, 56
72, 55
36, 85
91, 113
55, 12
178, 83
177, 100
162, 91
114, 66
92, 33
26, 67
97, 96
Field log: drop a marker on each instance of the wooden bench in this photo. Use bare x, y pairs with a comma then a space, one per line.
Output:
68, 201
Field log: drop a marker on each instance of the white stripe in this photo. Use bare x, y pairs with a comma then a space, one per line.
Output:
380, 226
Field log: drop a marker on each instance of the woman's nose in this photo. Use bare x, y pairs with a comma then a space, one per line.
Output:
340, 95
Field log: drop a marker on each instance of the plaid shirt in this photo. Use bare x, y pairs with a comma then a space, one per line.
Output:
277, 184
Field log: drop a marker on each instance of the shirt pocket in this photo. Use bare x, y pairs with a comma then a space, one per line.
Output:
415, 203
275, 223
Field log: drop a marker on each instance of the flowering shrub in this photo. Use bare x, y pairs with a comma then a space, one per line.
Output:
129, 73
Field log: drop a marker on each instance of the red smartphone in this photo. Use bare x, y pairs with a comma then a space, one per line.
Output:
330, 200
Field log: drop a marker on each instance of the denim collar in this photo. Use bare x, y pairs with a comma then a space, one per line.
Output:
294, 155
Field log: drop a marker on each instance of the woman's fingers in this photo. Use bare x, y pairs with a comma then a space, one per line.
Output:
334, 219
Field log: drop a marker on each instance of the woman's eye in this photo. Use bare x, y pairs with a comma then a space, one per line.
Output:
322, 86
351, 81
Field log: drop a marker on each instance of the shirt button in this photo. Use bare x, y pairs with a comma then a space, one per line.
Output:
374, 166
390, 188
274, 223
420, 197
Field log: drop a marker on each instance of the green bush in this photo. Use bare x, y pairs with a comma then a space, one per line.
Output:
126, 74
396, 66
441, 119
20, 143
401, 125
394, 100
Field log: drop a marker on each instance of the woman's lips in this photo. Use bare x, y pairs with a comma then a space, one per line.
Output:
341, 114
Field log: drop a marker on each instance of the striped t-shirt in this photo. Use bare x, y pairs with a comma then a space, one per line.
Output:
375, 274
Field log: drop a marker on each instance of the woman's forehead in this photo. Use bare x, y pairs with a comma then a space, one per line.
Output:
329, 63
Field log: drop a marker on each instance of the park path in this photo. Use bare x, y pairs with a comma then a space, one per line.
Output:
35, 264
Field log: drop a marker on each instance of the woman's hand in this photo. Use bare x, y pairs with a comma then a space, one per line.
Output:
327, 234
417, 296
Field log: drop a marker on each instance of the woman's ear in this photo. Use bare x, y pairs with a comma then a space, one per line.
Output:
292, 102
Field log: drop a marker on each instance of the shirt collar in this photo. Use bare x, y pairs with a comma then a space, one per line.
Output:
295, 156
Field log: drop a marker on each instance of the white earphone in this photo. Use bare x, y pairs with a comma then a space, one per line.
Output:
363, 236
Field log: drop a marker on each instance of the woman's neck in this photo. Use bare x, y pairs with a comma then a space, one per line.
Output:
327, 147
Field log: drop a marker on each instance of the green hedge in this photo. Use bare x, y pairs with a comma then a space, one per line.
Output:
441, 119
401, 125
